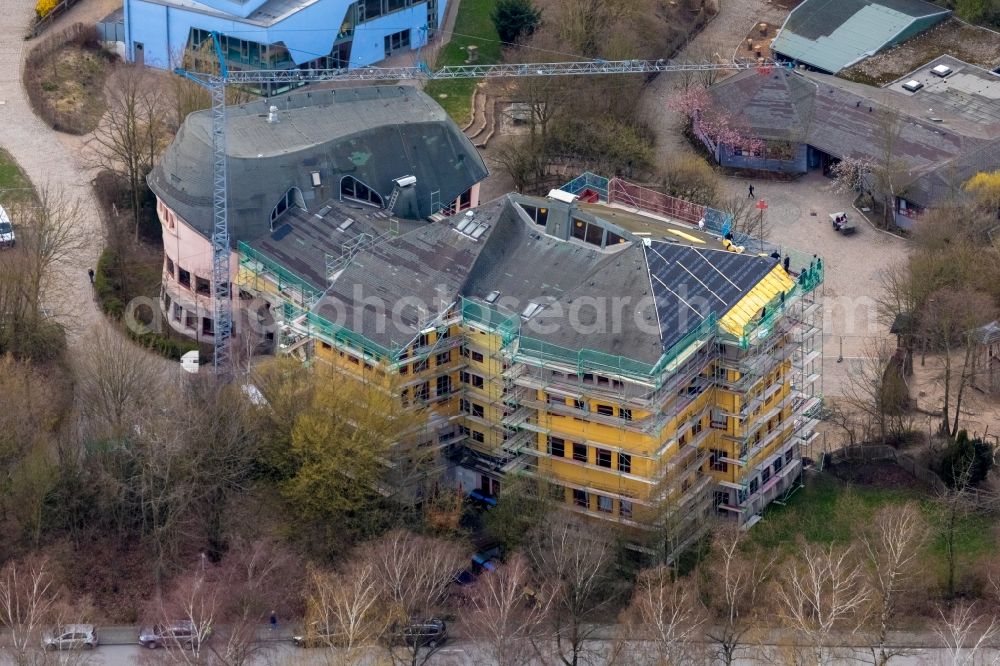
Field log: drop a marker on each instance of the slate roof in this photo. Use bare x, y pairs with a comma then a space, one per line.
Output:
374, 133
303, 240
847, 119
833, 34
632, 299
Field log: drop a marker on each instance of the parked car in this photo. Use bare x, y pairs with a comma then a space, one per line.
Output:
181, 634
6, 230
70, 637
427, 633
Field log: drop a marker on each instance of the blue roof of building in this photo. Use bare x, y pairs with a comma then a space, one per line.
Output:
833, 34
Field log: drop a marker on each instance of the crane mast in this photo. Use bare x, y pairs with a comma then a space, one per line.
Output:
216, 84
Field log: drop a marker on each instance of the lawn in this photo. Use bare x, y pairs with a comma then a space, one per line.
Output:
14, 185
473, 25
828, 510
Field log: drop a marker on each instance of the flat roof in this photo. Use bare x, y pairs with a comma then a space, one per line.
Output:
969, 92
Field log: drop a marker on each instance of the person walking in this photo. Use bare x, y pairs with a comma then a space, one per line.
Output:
750, 195
274, 620
90, 274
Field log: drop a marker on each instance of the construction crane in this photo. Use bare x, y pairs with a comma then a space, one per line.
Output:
216, 84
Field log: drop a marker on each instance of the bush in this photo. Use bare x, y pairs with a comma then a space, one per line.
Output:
515, 19
165, 346
966, 462
45, 7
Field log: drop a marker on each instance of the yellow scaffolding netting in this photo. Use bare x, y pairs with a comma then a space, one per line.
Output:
770, 287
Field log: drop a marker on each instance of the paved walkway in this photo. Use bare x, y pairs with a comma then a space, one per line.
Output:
48, 162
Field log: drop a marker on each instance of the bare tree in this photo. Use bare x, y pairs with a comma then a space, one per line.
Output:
892, 544
822, 590
27, 603
116, 379
746, 218
255, 578
195, 598
345, 612
578, 563
133, 131
663, 620
735, 580
876, 389
503, 616
947, 322
415, 573
964, 633
33, 275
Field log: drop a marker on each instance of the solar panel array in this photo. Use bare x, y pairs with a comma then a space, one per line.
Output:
690, 284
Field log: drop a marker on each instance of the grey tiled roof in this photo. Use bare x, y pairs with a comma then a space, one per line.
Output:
600, 299
846, 119
375, 134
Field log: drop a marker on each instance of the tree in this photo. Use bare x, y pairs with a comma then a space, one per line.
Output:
663, 619
515, 19
745, 217
966, 462
414, 573
132, 133
256, 578
690, 178
117, 379
345, 611
985, 187
823, 589
33, 407
195, 598
892, 545
876, 389
734, 584
520, 506
718, 125
32, 278
340, 446
503, 616
578, 564
948, 319
965, 634
27, 604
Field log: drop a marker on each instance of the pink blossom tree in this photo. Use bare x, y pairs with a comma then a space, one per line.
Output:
713, 122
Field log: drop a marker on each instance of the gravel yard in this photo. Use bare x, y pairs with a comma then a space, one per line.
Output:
972, 44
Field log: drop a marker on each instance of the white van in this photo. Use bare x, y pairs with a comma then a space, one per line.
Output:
6, 230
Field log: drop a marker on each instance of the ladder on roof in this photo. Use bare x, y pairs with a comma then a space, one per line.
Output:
393, 198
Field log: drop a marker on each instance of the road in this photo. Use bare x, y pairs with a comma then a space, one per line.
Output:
283, 653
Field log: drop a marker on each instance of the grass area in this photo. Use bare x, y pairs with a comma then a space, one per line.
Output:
14, 185
455, 96
828, 510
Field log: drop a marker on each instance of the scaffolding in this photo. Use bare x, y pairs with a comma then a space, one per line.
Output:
790, 338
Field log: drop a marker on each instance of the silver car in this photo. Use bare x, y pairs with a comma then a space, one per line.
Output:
70, 637
175, 634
